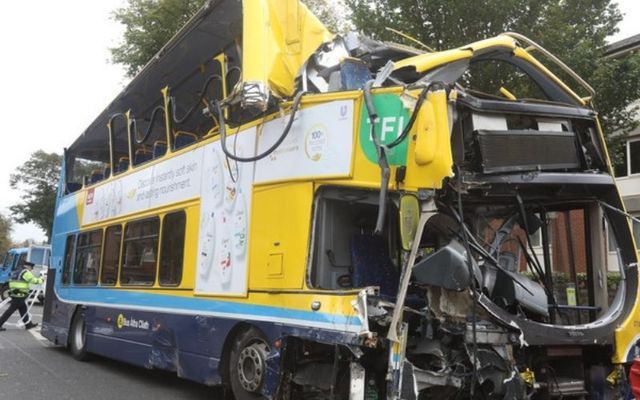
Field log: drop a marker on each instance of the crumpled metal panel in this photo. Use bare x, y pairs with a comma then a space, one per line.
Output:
278, 37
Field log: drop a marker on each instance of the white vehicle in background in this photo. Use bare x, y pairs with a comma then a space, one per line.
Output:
40, 255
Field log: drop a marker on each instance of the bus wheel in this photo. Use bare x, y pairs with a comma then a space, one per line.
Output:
78, 338
4, 291
248, 365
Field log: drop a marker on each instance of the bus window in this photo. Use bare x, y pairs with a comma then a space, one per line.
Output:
173, 229
8, 261
109, 273
68, 257
37, 255
88, 258
21, 260
140, 252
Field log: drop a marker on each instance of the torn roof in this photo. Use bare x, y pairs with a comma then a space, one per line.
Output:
277, 38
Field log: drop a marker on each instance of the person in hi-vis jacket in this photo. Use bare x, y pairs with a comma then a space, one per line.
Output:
19, 291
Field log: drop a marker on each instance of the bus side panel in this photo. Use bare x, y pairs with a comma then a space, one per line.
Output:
190, 345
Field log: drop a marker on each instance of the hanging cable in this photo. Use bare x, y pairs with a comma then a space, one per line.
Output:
223, 132
152, 121
474, 292
381, 151
547, 280
203, 93
412, 119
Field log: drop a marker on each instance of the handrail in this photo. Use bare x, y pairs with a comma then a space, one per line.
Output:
553, 58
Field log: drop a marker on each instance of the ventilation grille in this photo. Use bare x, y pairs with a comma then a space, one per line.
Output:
527, 150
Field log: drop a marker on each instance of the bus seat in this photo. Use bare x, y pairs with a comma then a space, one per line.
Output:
107, 172
183, 139
123, 165
142, 155
96, 176
73, 187
159, 148
371, 264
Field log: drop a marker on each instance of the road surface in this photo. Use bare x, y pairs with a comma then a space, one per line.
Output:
31, 368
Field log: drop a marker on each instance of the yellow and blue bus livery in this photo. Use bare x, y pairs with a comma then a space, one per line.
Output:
295, 214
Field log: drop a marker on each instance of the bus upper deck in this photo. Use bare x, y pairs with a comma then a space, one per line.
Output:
296, 214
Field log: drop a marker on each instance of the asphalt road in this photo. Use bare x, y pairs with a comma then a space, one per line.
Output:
31, 368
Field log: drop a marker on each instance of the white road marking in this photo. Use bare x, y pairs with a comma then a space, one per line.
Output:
36, 334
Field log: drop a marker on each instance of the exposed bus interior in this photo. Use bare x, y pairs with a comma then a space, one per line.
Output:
346, 253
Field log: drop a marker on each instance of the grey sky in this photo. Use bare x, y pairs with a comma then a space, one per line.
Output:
56, 78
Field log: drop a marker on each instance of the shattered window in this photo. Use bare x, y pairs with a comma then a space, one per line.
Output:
497, 79
569, 274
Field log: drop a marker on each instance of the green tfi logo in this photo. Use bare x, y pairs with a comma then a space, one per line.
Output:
392, 118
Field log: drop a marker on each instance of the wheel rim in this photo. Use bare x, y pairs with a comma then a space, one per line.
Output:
78, 334
251, 366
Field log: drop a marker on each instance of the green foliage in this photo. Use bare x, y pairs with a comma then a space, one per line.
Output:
573, 30
38, 179
5, 235
331, 13
149, 24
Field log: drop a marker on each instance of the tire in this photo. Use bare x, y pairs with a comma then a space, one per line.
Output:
4, 291
247, 365
78, 338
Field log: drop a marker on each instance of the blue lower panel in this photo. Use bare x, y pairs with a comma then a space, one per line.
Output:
194, 367
191, 345
119, 349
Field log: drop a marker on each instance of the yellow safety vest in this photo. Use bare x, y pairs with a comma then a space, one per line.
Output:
19, 287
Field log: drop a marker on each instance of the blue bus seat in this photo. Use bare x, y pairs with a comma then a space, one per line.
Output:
96, 176
159, 148
372, 265
107, 172
183, 139
73, 187
142, 155
123, 165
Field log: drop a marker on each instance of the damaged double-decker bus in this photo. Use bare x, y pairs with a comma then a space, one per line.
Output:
295, 214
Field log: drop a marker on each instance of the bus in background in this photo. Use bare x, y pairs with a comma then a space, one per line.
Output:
295, 214
15, 258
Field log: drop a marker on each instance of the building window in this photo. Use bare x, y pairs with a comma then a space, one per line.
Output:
140, 251
88, 258
634, 157
620, 169
70, 249
173, 230
109, 273
636, 231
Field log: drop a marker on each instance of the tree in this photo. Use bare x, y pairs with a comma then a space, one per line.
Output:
38, 179
5, 235
332, 13
574, 30
149, 24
